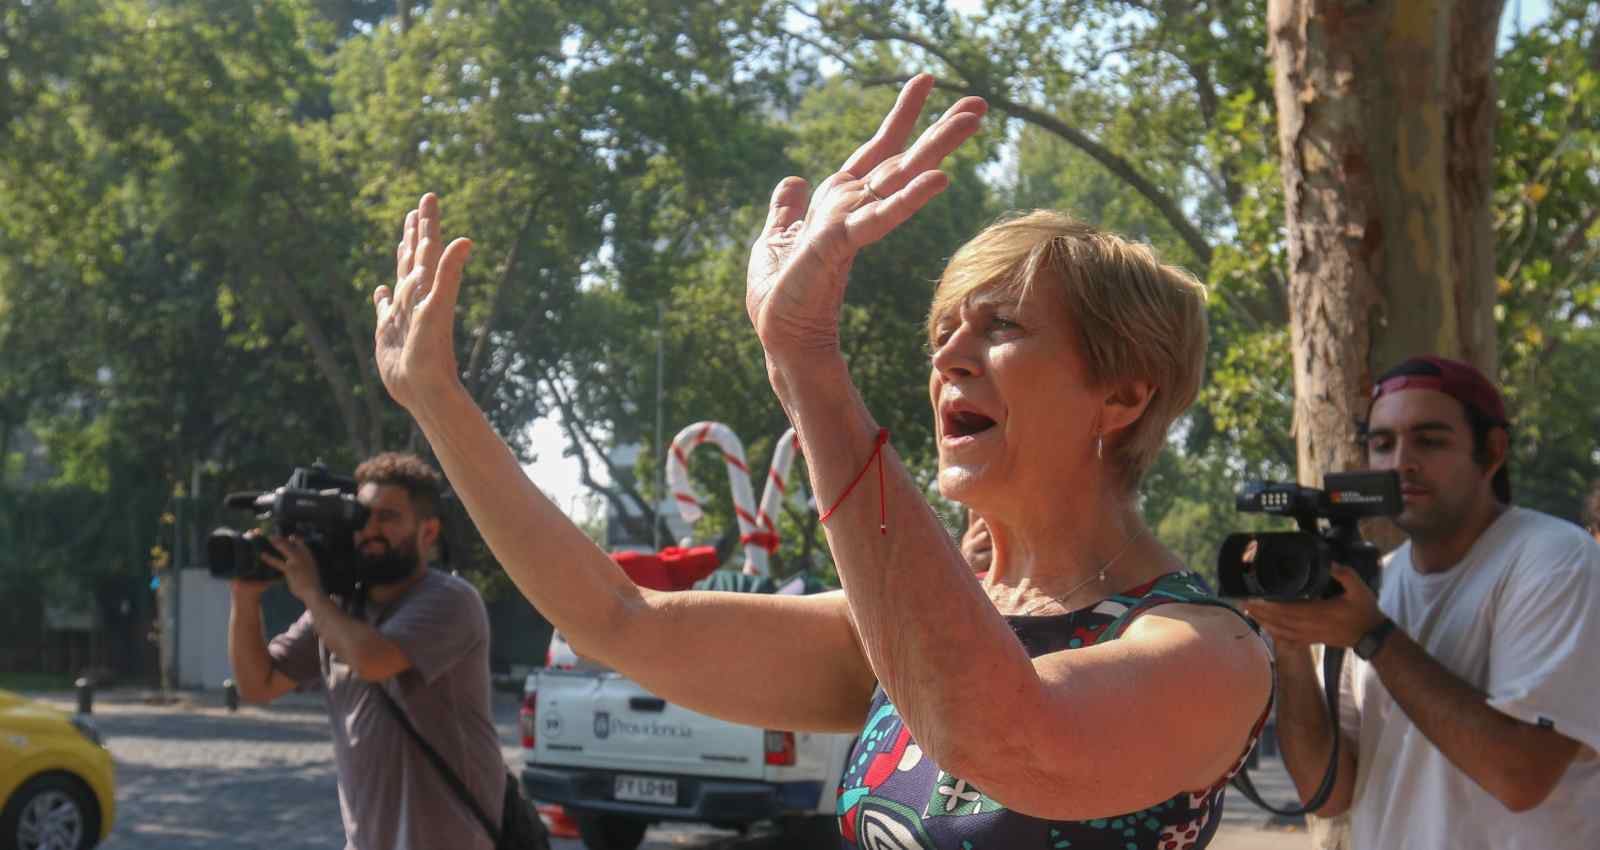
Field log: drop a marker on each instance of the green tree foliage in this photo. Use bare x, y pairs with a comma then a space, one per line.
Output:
138, 220
717, 370
1547, 223
1156, 120
200, 195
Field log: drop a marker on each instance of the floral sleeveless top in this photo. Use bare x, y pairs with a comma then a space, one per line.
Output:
893, 798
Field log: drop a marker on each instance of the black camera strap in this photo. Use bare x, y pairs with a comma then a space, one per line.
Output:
1332, 668
356, 605
438, 762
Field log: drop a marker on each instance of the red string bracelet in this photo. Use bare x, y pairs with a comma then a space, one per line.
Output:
877, 454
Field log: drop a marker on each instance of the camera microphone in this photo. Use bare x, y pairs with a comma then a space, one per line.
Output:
243, 501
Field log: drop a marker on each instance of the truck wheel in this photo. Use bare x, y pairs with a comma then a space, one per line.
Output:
611, 832
809, 832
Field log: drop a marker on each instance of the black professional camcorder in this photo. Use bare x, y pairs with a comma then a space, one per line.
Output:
1296, 564
316, 505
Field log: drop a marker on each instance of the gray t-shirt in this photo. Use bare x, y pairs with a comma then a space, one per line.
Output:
391, 796
1519, 619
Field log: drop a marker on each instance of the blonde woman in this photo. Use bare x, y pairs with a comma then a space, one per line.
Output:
1087, 690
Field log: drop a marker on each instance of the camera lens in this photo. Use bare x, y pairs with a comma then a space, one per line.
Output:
1270, 565
230, 554
1282, 569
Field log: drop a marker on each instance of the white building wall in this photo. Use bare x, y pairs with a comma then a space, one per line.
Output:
202, 629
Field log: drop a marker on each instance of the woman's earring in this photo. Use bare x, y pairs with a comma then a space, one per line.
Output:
1099, 446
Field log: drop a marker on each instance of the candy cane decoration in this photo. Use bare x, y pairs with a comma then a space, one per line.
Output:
777, 474
757, 529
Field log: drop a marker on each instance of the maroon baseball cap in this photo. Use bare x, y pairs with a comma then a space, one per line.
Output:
1459, 380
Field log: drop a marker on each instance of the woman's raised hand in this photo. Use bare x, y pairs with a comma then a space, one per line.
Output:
800, 263
416, 320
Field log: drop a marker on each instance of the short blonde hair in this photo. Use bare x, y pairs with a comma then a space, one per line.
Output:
1136, 318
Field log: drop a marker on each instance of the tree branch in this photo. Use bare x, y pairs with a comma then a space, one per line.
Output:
373, 392
1111, 161
480, 346
1578, 235
366, 370
1209, 106
1118, 166
582, 442
327, 362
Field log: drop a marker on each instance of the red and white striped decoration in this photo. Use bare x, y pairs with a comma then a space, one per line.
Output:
757, 528
777, 484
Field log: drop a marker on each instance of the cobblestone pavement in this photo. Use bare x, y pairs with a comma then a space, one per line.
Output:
193, 776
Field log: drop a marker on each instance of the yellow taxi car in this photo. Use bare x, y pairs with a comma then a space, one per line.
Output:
57, 790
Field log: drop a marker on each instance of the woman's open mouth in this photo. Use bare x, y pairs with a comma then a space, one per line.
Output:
963, 424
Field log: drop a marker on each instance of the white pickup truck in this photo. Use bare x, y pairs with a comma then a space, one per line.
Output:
618, 759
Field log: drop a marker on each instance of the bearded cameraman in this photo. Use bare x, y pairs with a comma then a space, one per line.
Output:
418, 636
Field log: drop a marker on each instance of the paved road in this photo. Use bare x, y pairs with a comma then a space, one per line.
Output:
193, 776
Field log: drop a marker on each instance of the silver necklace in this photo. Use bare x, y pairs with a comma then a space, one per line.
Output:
1098, 576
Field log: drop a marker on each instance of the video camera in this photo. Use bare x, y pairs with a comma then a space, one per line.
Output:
1296, 564
317, 505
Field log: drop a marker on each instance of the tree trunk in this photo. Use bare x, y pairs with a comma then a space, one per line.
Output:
1386, 113
1385, 117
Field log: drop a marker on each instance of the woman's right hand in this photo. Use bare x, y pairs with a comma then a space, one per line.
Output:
415, 339
801, 262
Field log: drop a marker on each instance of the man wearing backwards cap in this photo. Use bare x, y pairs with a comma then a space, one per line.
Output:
1473, 718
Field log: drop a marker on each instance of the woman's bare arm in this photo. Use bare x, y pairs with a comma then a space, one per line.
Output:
1090, 732
1117, 727
783, 662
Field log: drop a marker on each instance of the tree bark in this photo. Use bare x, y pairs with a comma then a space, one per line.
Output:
1386, 114
1385, 117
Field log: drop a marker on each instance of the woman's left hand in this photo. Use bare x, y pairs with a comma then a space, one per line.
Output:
800, 263
415, 342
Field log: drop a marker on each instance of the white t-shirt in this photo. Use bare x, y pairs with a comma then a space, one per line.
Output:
1519, 619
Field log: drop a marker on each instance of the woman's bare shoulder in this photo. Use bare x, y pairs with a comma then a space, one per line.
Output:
1211, 635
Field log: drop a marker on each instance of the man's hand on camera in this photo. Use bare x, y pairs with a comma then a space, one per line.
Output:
298, 565
1340, 621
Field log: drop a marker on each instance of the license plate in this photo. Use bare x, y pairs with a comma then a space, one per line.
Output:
646, 789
